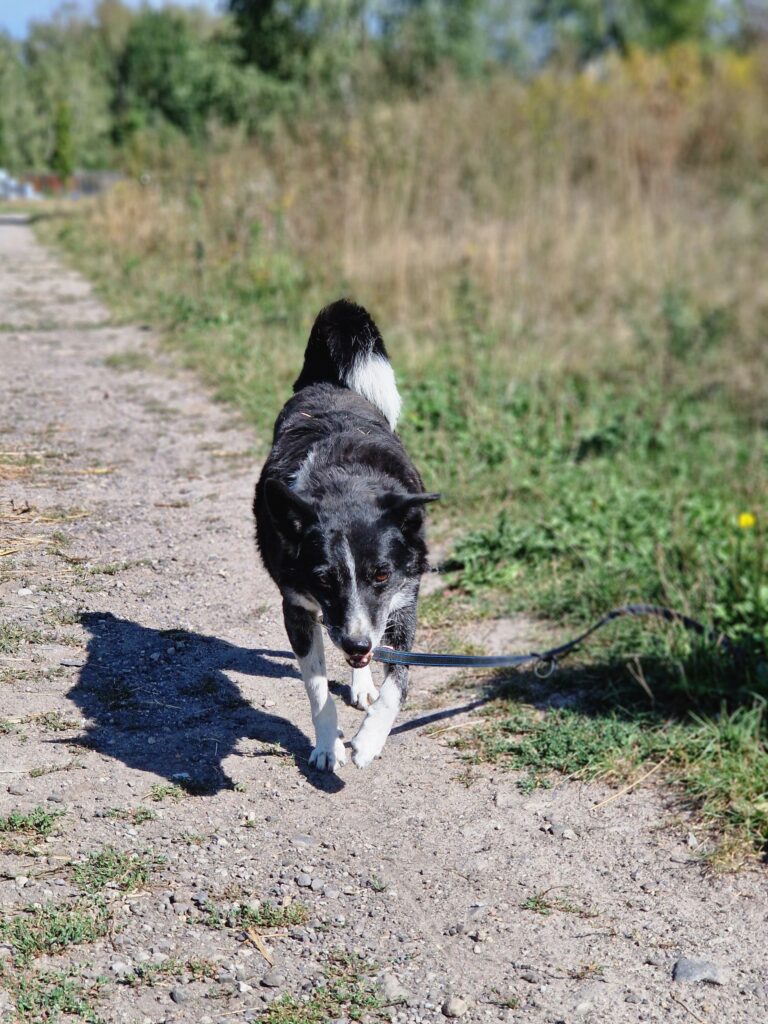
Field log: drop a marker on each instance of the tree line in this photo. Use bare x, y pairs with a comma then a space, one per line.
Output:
86, 89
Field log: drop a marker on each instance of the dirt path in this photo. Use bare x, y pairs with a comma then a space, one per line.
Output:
125, 500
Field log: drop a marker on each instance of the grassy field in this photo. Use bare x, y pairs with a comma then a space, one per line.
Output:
572, 279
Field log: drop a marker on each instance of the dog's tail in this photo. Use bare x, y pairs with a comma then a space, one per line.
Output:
345, 348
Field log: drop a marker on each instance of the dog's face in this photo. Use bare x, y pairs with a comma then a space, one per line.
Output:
354, 562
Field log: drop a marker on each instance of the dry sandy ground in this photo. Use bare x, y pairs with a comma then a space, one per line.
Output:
178, 670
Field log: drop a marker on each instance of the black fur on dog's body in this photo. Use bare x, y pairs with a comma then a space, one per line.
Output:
340, 524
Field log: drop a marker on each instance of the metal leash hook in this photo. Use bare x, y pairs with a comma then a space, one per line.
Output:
545, 667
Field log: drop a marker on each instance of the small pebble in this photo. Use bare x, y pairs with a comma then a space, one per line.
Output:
178, 995
303, 840
698, 970
455, 1006
304, 881
273, 979
393, 991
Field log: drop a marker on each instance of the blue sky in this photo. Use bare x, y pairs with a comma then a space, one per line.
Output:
15, 14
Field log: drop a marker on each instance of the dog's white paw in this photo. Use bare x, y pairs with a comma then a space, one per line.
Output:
363, 690
369, 741
328, 758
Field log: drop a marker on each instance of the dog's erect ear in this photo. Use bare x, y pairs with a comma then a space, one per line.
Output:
290, 513
406, 509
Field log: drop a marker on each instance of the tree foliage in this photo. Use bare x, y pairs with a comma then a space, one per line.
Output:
63, 155
592, 26
81, 90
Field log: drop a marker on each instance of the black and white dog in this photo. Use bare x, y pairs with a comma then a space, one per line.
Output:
340, 525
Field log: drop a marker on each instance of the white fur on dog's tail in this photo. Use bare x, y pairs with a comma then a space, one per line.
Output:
346, 349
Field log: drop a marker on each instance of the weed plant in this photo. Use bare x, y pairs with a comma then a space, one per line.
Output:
347, 990
37, 822
47, 995
47, 928
116, 869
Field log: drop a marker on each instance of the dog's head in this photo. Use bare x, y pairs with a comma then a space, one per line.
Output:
355, 559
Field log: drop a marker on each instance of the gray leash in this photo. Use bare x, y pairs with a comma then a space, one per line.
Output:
545, 661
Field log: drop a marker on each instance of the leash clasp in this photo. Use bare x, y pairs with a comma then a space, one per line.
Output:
545, 666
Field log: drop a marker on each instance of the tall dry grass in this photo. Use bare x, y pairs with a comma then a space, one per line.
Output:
560, 209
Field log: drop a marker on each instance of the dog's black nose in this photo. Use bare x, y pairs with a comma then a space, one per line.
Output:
355, 645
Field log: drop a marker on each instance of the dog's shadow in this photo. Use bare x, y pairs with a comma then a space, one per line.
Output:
161, 701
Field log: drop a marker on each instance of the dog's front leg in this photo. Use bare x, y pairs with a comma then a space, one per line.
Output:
306, 638
377, 724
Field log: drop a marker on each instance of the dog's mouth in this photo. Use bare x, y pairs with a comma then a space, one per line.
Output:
359, 660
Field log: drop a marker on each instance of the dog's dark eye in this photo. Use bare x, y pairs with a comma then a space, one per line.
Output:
381, 576
324, 579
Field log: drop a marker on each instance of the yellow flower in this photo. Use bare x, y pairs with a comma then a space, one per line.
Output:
746, 521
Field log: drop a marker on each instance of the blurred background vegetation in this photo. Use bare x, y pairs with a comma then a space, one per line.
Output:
558, 212
113, 83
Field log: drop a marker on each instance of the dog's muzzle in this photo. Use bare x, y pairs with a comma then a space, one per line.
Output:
358, 650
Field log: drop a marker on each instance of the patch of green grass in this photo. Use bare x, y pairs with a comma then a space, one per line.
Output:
12, 637
255, 915
116, 693
45, 996
720, 762
130, 360
69, 639
136, 815
60, 615
348, 991
166, 791
587, 971
37, 822
50, 927
189, 838
507, 1000
150, 974
51, 769
543, 903
115, 868
111, 568
52, 721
